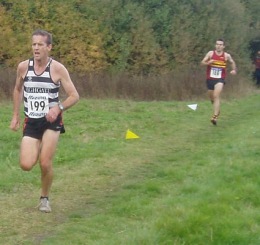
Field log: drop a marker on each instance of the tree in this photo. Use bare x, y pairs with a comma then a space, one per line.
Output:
7, 36
137, 36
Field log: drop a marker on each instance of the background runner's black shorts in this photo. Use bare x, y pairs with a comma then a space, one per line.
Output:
35, 127
212, 82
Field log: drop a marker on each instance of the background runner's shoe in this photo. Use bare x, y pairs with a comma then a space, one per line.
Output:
214, 120
44, 205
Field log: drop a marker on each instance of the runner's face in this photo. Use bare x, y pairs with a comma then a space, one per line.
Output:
40, 47
220, 46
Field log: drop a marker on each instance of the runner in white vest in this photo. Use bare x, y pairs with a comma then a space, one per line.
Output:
39, 80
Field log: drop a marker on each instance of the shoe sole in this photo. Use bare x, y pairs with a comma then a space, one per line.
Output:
44, 211
214, 122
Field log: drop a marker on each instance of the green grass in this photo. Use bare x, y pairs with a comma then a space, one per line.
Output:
183, 182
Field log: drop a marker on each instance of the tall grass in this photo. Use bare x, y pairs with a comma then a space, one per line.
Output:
186, 83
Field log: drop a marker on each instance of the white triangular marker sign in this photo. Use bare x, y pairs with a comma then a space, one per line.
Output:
193, 106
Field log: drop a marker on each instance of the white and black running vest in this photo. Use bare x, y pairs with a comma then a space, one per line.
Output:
40, 92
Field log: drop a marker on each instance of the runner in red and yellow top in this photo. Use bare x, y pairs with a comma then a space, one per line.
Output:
216, 62
217, 69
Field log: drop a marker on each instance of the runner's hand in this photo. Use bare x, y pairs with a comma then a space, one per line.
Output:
53, 113
15, 124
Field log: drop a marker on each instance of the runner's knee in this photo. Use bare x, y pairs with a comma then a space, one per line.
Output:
25, 166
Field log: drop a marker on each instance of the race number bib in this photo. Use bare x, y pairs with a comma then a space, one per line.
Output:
215, 72
38, 105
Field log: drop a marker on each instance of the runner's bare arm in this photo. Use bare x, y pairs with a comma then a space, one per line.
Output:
207, 59
60, 74
17, 95
233, 65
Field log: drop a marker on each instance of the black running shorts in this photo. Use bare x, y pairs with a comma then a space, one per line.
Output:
212, 82
35, 127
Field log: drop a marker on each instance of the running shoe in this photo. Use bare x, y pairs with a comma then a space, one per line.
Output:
44, 205
214, 120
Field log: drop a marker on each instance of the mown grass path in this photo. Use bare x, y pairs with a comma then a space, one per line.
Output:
184, 181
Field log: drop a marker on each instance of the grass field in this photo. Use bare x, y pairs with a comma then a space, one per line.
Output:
184, 181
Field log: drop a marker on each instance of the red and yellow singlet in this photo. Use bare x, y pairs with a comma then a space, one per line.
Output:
217, 69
